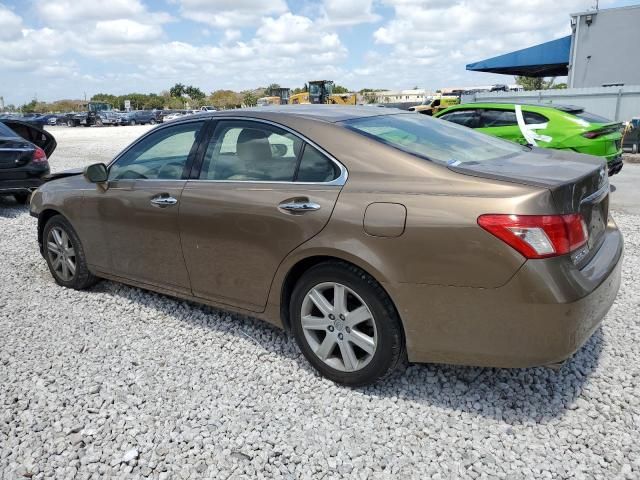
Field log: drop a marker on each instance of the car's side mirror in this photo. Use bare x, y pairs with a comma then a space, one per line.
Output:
96, 173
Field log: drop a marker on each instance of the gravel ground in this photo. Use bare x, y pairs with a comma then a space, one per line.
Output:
119, 382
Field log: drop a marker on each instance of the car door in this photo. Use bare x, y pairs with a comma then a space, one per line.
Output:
501, 123
260, 192
136, 213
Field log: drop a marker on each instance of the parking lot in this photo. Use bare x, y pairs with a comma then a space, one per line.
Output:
120, 382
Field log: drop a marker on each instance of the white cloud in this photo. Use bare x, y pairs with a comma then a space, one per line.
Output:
352, 12
10, 24
125, 31
62, 12
231, 13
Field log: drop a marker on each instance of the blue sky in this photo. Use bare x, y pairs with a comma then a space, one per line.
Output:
56, 49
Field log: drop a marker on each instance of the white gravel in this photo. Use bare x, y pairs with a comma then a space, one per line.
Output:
119, 382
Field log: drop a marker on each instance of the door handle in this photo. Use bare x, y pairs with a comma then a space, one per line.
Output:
300, 206
163, 201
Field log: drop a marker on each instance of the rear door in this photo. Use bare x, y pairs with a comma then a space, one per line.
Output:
501, 123
260, 192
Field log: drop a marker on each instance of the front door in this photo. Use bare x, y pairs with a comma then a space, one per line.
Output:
261, 192
138, 211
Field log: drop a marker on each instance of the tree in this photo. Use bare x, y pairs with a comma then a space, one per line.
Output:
249, 99
272, 90
536, 83
340, 89
194, 93
226, 99
178, 90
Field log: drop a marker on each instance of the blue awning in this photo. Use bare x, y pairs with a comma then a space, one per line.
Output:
548, 59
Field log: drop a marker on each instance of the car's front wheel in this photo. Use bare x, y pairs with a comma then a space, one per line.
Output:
152, 122
635, 148
346, 325
65, 255
132, 122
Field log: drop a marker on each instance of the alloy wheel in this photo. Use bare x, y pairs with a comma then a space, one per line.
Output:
62, 255
339, 326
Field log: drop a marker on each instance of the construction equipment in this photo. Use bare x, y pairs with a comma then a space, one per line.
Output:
279, 96
321, 92
92, 115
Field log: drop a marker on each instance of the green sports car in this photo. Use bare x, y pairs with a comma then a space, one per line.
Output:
559, 127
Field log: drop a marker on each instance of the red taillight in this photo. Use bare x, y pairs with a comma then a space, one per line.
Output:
39, 156
596, 134
538, 236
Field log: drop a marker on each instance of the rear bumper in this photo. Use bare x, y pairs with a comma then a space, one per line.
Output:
22, 181
546, 312
615, 164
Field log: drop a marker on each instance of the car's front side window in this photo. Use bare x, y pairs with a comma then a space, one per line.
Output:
251, 151
466, 118
160, 156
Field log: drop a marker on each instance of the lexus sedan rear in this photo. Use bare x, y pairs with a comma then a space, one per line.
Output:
373, 236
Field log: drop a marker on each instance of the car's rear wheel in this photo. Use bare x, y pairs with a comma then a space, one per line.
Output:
132, 122
346, 325
22, 198
70, 123
152, 122
65, 255
635, 148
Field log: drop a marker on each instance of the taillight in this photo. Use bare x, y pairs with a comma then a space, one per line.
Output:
39, 156
538, 236
596, 134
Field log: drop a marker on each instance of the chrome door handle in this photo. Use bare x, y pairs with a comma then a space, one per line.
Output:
163, 201
299, 207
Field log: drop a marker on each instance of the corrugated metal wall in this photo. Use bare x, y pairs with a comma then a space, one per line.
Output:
616, 103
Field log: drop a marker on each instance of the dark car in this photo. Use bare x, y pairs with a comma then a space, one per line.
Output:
373, 235
139, 117
24, 153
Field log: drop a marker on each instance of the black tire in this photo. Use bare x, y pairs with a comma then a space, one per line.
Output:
99, 123
70, 123
82, 278
22, 198
635, 148
132, 122
152, 122
390, 351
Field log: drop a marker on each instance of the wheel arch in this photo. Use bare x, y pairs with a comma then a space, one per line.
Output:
43, 218
297, 268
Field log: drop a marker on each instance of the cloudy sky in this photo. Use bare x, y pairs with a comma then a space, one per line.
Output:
66, 48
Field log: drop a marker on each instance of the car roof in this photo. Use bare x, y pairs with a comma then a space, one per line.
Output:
324, 113
557, 106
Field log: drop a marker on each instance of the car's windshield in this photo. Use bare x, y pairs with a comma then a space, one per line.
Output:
433, 139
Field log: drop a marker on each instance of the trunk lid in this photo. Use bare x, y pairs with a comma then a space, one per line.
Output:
578, 184
33, 134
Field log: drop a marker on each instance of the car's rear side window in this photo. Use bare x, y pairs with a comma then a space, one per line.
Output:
532, 118
433, 139
498, 118
316, 167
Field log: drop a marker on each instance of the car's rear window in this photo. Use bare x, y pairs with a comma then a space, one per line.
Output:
591, 117
433, 139
6, 131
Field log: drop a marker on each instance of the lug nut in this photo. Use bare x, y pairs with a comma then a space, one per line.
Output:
348, 330
340, 336
341, 317
331, 317
330, 328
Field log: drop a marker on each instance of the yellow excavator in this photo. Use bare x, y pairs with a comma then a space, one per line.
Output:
321, 92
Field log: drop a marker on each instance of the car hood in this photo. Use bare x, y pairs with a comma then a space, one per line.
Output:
33, 134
